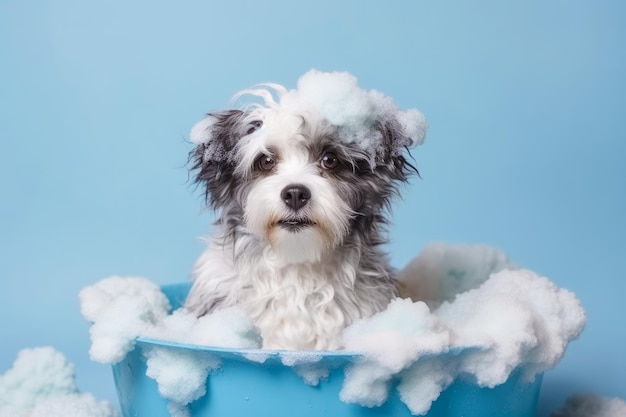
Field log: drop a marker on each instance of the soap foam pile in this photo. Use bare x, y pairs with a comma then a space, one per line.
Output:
181, 374
122, 309
337, 99
589, 405
445, 270
41, 384
493, 323
484, 319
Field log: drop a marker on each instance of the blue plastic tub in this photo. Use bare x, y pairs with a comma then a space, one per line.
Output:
242, 387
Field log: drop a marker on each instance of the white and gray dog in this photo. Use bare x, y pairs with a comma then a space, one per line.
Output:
301, 181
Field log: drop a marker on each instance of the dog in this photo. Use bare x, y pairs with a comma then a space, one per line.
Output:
301, 182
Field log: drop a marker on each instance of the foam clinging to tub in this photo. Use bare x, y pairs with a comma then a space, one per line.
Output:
123, 309
520, 319
514, 320
180, 374
391, 341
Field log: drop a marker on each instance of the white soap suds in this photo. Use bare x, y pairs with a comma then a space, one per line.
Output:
123, 309
441, 271
230, 327
520, 319
422, 383
41, 383
74, 405
390, 341
181, 375
306, 365
339, 99
591, 405
484, 318
120, 309
514, 320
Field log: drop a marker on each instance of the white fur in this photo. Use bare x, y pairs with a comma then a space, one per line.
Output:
297, 306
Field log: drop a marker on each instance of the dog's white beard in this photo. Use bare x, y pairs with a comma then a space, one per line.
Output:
306, 245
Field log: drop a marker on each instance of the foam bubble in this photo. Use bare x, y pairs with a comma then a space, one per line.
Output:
441, 270
74, 405
306, 365
520, 319
424, 381
37, 373
41, 383
181, 375
96, 299
358, 113
509, 320
391, 341
122, 309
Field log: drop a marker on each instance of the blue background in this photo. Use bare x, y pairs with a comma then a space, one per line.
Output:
525, 101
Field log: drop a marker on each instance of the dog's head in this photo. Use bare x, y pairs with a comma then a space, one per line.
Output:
305, 170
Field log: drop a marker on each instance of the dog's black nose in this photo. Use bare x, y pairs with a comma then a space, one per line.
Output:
295, 196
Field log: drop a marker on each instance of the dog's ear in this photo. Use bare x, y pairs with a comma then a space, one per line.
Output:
395, 143
217, 134
212, 160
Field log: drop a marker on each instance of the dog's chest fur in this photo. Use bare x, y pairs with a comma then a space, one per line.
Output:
296, 306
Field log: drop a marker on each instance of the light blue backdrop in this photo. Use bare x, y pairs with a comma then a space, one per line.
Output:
525, 100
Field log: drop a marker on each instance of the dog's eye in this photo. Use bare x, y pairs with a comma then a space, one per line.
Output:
266, 163
329, 161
